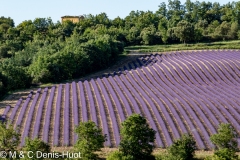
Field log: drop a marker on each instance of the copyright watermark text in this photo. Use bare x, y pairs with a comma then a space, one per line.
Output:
38, 154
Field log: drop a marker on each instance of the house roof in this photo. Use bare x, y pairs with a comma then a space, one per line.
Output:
71, 16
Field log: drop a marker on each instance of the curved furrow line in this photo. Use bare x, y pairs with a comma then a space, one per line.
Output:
103, 114
121, 96
115, 101
29, 118
91, 103
39, 114
57, 117
128, 95
147, 93
112, 114
164, 98
75, 111
168, 119
48, 114
159, 141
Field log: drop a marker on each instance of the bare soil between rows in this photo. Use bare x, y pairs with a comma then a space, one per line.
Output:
15, 96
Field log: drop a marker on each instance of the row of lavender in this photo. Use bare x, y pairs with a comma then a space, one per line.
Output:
200, 88
182, 92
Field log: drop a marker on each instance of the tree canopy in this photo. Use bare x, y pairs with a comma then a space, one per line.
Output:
90, 139
137, 138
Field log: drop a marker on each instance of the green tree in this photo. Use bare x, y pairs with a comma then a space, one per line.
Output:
175, 12
137, 138
90, 139
34, 146
197, 34
8, 21
184, 31
223, 30
15, 76
238, 34
162, 10
162, 27
2, 87
9, 137
233, 31
148, 34
4, 51
226, 142
182, 148
118, 22
133, 36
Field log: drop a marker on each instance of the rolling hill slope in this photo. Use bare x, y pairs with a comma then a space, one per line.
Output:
180, 92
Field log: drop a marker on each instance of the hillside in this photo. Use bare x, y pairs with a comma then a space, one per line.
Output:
178, 92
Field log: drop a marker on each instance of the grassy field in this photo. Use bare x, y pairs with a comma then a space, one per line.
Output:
177, 47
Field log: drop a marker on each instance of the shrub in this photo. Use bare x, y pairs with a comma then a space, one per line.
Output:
90, 139
9, 137
137, 139
119, 156
183, 148
34, 146
226, 142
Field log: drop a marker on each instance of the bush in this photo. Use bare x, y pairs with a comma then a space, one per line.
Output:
14, 77
9, 137
226, 142
90, 139
34, 146
183, 148
137, 139
118, 156
165, 157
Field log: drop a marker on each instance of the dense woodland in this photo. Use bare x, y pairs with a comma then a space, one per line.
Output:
41, 51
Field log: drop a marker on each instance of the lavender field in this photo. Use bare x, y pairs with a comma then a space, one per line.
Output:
179, 92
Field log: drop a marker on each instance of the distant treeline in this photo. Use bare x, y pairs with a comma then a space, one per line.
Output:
41, 51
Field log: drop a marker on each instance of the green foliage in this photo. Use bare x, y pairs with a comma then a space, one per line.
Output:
9, 137
90, 139
70, 50
225, 138
3, 52
162, 27
34, 146
183, 148
226, 153
166, 156
223, 30
226, 142
137, 139
119, 156
148, 34
2, 87
238, 34
184, 31
74, 59
15, 77
233, 31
